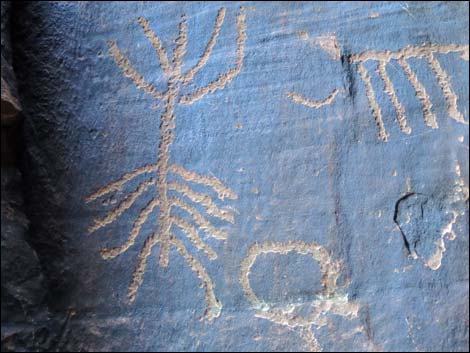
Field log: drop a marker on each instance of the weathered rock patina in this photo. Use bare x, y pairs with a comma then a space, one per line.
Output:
245, 176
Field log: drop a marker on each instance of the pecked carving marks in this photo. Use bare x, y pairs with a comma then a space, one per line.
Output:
410, 51
376, 111
428, 115
223, 79
426, 222
330, 300
426, 52
390, 90
297, 98
424, 227
219, 20
162, 168
328, 43
444, 82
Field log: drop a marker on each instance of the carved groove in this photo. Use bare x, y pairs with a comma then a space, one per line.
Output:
426, 52
162, 167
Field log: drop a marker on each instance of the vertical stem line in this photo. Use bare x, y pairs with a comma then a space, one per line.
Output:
166, 139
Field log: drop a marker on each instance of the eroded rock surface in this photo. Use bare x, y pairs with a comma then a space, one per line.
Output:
244, 176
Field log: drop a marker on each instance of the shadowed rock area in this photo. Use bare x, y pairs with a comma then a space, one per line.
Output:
235, 176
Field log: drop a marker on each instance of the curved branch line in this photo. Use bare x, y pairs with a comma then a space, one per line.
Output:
133, 234
137, 276
180, 47
119, 183
202, 199
191, 232
129, 71
224, 78
157, 45
211, 181
213, 305
297, 98
219, 20
199, 219
124, 205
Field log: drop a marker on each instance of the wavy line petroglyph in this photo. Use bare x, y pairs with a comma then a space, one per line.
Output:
164, 236
426, 52
329, 301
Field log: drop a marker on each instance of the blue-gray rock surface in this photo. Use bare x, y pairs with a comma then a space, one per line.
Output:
253, 176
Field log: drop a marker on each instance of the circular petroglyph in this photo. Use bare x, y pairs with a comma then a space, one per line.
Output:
293, 315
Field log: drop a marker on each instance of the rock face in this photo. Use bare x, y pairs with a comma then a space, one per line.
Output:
241, 176
22, 279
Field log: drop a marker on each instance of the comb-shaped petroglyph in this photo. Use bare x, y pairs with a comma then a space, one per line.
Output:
427, 52
162, 201
329, 301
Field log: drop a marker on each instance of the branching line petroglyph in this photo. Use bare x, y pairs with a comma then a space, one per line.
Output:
219, 20
226, 77
162, 168
124, 205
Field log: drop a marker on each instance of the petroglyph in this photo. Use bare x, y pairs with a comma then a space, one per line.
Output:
382, 134
426, 52
164, 236
460, 194
426, 222
329, 301
297, 98
390, 90
326, 41
329, 43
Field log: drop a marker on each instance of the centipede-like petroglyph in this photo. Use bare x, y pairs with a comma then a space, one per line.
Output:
164, 236
329, 301
427, 52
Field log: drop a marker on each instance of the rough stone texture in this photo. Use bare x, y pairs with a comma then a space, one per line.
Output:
340, 240
10, 103
22, 279
23, 289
